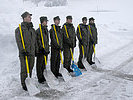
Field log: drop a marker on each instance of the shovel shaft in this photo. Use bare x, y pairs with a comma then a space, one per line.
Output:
68, 37
43, 43
58, 43
91, 36
61, 57
26, 58
45, 60
71, 54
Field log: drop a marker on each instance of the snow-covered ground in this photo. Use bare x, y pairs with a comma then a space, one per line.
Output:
113, 81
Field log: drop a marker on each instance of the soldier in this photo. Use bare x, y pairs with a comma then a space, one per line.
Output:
40, 62
55, 47
68, 42
93, 41
29, 37
84, 38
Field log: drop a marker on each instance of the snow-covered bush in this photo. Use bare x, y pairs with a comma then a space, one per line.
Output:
51, 3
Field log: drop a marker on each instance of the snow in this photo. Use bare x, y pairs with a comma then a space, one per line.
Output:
113, 81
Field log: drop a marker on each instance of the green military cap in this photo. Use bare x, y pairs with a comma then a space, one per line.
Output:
25, 14
56, 18
69, 17
91, 19
43, 18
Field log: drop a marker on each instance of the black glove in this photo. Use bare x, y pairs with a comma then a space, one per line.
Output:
71, 45
92, 41
25, 53
45, 52
81, 42
61, 48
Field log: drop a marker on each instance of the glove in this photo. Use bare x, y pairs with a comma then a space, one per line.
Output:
25, 53
81, 42
61, 48
92, 41
71, 45
45, 52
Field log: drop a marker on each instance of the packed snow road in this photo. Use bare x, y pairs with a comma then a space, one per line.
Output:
110, 82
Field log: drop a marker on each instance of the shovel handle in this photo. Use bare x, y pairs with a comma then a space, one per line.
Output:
61, 57
71, 54
26, 59
27, 65
43, 43
45, 60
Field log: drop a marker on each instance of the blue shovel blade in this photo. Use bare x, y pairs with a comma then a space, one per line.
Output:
76, 70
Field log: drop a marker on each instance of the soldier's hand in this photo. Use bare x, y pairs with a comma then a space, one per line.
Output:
25, 53
81, 42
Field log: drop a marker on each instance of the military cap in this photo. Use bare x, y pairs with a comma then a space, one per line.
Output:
43, 18
69, 17
25, 14
56, 18
91, 19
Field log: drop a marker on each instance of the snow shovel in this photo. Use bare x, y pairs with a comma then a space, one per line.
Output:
32, 89
97, 62
84, 61
63, 71
95, 59
49, 76
75, 68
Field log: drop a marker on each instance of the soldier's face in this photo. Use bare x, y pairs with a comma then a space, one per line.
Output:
84, 22
57, 22
92, 21
69, 20
27, 19
44, 23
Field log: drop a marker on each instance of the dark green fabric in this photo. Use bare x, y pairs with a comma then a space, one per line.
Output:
68, 43
45, 39
54, 43
71, 41
94, 33
55, 61
85, 33
55, 49
23, 73
29, 38
40, 66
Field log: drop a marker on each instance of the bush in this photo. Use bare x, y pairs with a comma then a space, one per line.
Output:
51, 3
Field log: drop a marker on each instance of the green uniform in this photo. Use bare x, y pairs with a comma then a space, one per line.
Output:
68, 43
29, 36
94, 40
55, 49
40, 62
84, 41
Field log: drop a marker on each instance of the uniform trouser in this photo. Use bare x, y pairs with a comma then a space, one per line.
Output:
80, 63
40, 66
23, 72
55, 61
90, 52
67, 58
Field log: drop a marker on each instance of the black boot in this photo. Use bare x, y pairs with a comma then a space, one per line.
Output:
24, 88
92, 62
59, 75
42, 80
80, 65
69, 70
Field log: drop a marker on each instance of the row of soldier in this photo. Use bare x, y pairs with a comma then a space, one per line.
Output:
35, 48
